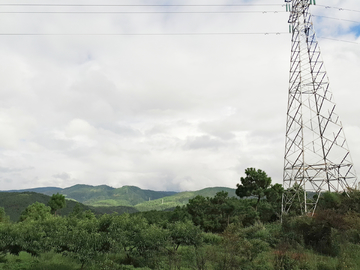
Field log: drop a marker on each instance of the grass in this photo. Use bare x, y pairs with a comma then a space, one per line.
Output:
47, 261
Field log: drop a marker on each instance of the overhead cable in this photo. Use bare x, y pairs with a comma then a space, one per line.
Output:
331, 18
339, 8
341, 40
136, 12
165, 34
140, 34
125, 5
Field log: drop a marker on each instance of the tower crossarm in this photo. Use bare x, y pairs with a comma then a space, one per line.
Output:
298, 8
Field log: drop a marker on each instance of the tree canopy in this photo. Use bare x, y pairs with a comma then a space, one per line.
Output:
57, 201
255, 184
36, 211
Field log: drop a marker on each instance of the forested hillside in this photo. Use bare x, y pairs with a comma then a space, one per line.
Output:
220, 232
142, 200
104, 195
181, 198
15, 203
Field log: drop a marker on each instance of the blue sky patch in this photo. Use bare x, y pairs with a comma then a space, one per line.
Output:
355, 29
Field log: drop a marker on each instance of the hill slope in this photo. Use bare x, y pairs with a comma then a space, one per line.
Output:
15, 203
127, 195
104, 195
43, 190
181, 198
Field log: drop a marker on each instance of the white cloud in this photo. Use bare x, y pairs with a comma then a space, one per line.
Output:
16, 127
159, 112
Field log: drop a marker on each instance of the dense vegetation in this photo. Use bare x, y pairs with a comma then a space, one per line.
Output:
213, 233
140, 199
15, 203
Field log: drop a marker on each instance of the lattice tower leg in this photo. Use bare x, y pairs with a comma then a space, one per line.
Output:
316, 157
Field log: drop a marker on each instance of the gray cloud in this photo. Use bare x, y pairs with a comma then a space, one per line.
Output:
202, 142
63, 176
14, 170
160, 112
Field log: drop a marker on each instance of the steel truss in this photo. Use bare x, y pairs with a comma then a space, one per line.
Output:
316, 157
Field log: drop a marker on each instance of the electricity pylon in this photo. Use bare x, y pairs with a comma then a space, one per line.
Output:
316, 157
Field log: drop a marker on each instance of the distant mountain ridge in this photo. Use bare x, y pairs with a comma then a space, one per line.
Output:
143, 200
42, 190
102, 195
15, 203
182, 198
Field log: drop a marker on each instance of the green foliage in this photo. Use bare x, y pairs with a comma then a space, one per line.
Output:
160, 218
36, 211
181, 199
245, 212
184, 233
330, 200
238, 250
80, 213
350, 201
100, 210
171, 240
15, 203
274, 198
211, 238
298, 193
56, 202
3, 217
255, 184
105, 199
46, 261
313, 233
212, 214
179, 214
107, 196
83, 242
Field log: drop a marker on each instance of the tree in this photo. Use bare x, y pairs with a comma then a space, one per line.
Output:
212, 214
184, 233
197, 207
274, 198
3, 217
57, 201
36, 211
83, 241
255, 184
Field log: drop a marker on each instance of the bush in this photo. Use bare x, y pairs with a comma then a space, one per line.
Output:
20, 262
211, 238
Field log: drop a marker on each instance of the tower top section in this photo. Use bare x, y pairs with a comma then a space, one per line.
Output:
297, 8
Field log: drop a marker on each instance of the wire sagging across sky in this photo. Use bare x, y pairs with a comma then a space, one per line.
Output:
125, 5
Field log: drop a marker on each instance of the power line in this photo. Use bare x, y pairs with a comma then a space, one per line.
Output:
124, 5
339, 8
135, 12
166, 34
341, 40
331, 18
141, 34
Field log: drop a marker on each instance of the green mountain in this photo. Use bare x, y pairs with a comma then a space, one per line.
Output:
181, 198
100, 197
104, 195
44, 190
85, 193
108, 196
15, 203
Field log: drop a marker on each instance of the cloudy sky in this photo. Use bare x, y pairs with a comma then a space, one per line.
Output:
86, 104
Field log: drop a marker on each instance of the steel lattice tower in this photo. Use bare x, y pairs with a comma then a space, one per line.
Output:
316, 157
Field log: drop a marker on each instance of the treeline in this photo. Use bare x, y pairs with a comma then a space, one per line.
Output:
14, 204
218, 233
